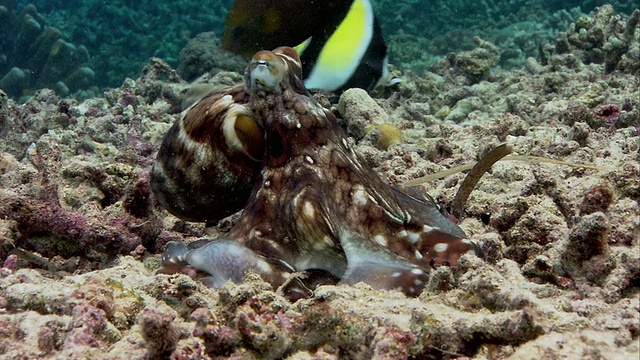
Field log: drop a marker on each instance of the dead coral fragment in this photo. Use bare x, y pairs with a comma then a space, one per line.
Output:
598, 198
360, 111
577, 112
605, 38
47, 227
588, 238
159, 332
476, 64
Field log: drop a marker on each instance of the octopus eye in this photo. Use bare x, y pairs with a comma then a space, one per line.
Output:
251, 135
243, 133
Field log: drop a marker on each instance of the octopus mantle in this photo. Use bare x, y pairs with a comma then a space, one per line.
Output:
310, 202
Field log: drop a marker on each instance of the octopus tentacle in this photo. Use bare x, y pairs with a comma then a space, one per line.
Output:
223, 260
379, 267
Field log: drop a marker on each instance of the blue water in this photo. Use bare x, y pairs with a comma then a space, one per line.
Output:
121, 35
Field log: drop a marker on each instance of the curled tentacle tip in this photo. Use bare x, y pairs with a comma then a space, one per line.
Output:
174, 253
225, 260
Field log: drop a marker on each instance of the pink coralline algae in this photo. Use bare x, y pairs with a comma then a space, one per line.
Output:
45, 225
159, 332
598, 198
88, 324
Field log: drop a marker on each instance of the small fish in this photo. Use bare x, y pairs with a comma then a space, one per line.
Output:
340, 42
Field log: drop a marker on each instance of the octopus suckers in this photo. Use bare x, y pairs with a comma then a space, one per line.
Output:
380, 240
418, 272
418, 255
396, 274
440, 247
402, 233
427, 228
413, 236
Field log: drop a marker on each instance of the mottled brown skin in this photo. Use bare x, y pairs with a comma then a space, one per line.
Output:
179, 178
317, 205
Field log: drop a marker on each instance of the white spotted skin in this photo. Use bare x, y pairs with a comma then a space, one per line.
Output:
360, 196
381, 240
318, 205
440, 247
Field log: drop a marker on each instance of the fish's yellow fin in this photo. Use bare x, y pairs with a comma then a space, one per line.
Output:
344, 50
303, 45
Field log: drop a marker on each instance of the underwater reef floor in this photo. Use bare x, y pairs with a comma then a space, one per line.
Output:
81, 235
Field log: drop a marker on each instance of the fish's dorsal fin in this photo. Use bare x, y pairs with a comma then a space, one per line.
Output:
344, 50
300, 48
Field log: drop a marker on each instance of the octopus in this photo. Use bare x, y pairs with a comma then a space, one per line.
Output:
310, 203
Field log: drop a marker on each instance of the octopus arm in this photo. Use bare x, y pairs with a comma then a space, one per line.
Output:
330, 261
424, 210
379, 267
224, 260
